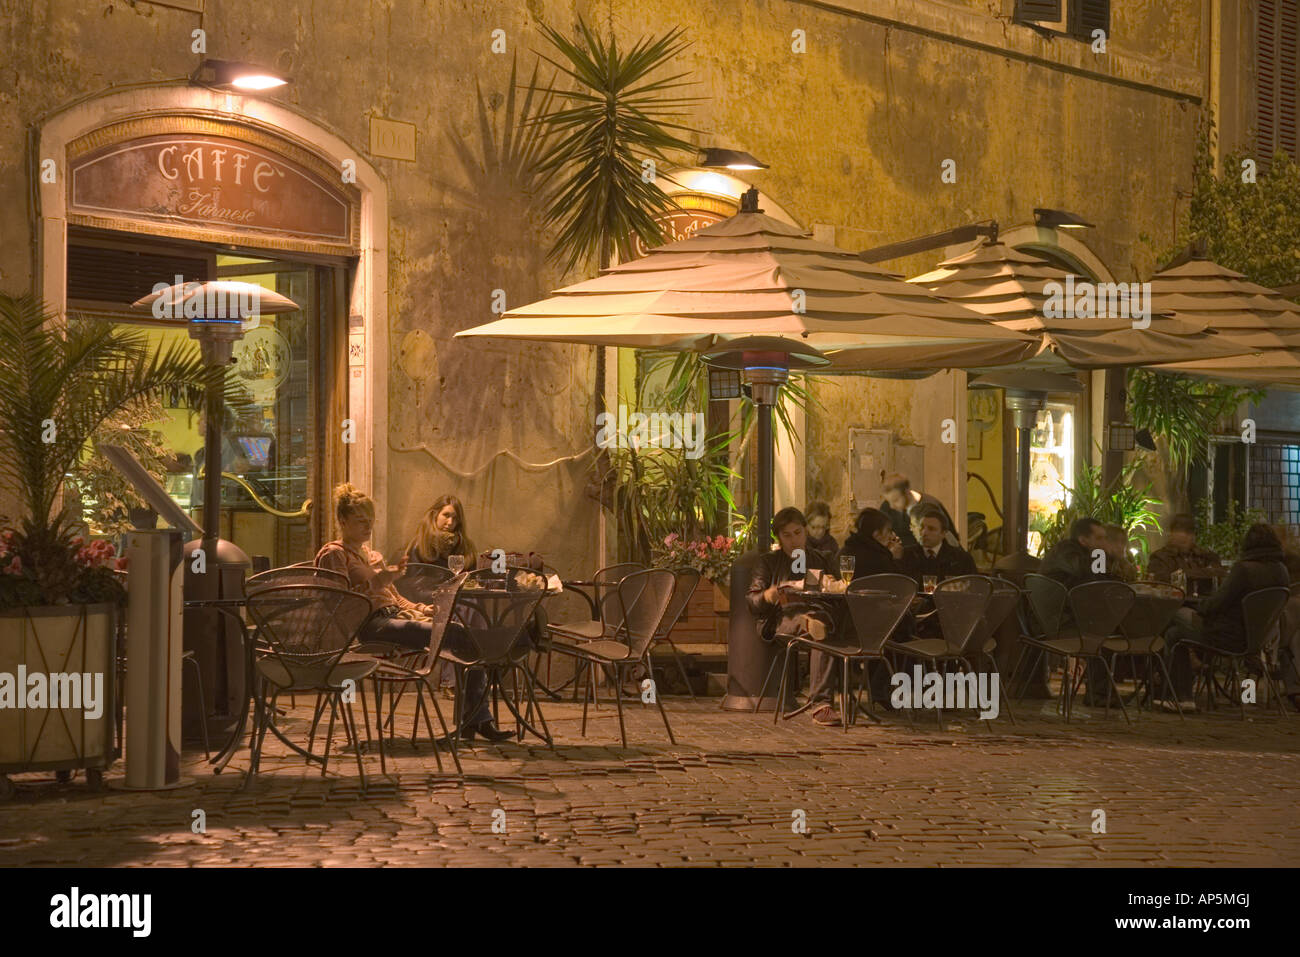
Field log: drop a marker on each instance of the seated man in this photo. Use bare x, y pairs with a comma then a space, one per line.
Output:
1071, 561
778, 613
1220, 623
1181, 553
899, 497
1118, 562
934, 556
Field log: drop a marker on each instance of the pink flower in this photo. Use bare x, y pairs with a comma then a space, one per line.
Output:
15, 567
120, 563
671, 538
78, 540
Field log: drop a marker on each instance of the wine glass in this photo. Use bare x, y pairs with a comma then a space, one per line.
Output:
456, 564
847, 564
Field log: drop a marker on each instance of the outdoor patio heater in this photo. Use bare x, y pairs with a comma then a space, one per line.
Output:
217, 314
765, 363
1026, 394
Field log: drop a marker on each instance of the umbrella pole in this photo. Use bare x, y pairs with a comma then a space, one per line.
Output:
1023, 434
212, 468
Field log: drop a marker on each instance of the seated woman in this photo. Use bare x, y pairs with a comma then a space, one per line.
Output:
396, 620
442, 534
820, 538
1220, 622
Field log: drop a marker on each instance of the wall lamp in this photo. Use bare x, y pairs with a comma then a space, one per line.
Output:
232, 76
712, 158
949, 237
1059, 219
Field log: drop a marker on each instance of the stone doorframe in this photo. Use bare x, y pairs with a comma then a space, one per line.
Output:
368, 403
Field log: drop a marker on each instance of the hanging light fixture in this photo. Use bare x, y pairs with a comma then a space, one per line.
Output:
233, 76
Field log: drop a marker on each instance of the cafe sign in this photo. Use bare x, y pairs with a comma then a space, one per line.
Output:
677, 224
212, 186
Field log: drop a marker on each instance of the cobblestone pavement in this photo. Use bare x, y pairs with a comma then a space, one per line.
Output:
1211, 791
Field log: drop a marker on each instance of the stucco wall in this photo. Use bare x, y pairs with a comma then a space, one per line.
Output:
855, 130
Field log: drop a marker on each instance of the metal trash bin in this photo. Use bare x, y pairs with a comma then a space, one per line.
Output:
216, 640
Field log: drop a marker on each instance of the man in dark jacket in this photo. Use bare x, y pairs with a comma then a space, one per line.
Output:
781, 614
1220, 623
1181, 553
1079, 558
899, 497
934, 556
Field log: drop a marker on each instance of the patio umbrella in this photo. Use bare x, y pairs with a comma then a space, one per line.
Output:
1010, 288
1259, 320
752, 275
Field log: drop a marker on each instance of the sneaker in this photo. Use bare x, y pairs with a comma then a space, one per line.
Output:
826, 717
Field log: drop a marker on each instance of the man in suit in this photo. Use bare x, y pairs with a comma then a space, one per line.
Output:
780, 613
1072, 560
933, 555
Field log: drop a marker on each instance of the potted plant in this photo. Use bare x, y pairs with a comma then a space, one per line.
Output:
59, 594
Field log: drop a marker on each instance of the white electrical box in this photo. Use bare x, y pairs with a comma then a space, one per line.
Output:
874, 454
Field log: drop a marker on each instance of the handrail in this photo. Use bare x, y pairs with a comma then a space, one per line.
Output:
303, 511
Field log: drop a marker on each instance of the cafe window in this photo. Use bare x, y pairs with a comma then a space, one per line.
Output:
1052, 457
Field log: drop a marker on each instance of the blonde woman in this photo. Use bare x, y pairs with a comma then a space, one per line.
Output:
442, 535
395, 620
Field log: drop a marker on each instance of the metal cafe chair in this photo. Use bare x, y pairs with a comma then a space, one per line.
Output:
1099, 607
1046, 599
607, 611
305, 573
418, 581
686, 580
962, 603
644, 597
309, 630
1260, 610
495, 616
1143, 628
1288, 649
418, 667
877, 604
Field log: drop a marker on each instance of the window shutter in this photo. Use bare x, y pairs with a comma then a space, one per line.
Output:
1276, 78
107, 280
1089, 15
1031, 11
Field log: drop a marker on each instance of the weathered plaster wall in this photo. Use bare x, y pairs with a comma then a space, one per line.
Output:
855, 130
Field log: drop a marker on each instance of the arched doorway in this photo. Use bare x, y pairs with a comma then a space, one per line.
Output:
142, 185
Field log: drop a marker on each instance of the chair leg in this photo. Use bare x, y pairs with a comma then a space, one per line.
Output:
618, 697
844, 697
203, 707
350, 721
680, 667
766, 681
664, 714
1110, 677
315, 721
779, 708
383, 760
1274, 691
329, 734
535, 705
1164, 670
1006, 698
451, 741
587, 695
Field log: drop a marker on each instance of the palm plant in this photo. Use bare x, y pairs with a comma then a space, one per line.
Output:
1122, 502
57, 388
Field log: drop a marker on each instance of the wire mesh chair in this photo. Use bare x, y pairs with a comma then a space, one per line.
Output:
644, 597
686, 581
1288, 649
309, 630
301, 574
1143, 632
605, 585
1047, 600
1098, 607
418, 668
961, 604
418, 581
496, 615
1260, 612
877, 604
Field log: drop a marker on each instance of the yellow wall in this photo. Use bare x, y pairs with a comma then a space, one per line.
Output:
988, 406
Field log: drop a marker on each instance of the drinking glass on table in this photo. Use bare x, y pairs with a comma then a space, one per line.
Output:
456, 564
929, 583
847, 564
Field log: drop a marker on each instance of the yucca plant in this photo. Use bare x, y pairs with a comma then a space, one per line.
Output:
1122, 502
616, 117
58, 386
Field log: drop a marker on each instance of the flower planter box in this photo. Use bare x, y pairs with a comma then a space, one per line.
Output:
705, 619
62, 640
